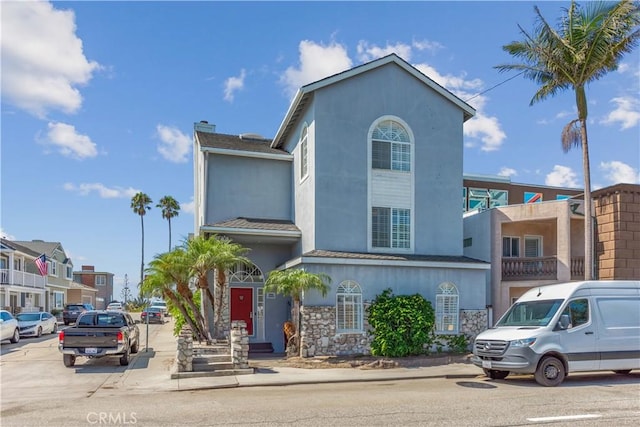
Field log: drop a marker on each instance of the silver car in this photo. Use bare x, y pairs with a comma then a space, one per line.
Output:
9, 327
36, 324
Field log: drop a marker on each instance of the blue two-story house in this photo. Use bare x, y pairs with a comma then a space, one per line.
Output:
362, 182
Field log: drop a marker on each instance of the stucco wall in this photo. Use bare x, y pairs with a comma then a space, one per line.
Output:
253, 187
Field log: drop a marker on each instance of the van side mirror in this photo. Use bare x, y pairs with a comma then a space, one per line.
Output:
564, 322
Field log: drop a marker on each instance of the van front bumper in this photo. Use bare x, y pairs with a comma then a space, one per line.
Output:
518, 360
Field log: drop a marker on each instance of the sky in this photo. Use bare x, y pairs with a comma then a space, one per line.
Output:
99, 101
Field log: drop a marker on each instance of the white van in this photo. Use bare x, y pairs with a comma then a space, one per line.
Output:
569, 327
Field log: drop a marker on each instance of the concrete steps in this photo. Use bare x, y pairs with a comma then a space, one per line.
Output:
212, 361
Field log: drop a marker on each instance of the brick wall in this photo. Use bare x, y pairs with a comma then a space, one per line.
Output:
617, 210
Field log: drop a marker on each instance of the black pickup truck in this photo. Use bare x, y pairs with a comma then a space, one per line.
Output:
100, 333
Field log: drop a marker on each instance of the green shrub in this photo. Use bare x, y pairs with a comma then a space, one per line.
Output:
402, 325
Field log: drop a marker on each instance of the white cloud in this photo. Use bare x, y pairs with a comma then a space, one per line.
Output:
317, 61
368, 52
42, 58
487, 129
174, 145
233, 84
428, 45
6, 235
562, 176
70, 143
188, 207
103, 191
619, 172
627, 112
505, 171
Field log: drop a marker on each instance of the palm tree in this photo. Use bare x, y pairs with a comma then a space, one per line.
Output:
293, 283
170, 208
140, 204
158, 282
588, 44
174, 267
206, 254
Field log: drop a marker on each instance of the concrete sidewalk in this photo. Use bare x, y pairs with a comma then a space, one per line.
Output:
150, 370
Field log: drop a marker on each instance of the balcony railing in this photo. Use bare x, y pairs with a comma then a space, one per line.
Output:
21, 278
540, 268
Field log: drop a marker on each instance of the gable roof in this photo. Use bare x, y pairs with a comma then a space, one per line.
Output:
40, 247
303, 95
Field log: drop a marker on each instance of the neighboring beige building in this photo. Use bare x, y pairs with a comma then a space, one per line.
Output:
536, 244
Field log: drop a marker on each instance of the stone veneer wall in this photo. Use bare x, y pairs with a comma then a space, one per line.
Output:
319, 337
617, 210
184, 352
239, 339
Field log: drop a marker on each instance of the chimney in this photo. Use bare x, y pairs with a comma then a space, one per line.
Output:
88, 268
204, 126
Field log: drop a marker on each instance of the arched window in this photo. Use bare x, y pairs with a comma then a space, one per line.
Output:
391, 147
304, 156
349, 307
447, 302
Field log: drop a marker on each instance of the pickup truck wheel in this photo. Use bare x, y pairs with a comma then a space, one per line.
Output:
134, 347
550, 372
496, 375
124, 359
69, 360
16, 337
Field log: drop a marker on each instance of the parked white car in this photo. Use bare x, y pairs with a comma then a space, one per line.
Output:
115, 306
36, 324
9, 327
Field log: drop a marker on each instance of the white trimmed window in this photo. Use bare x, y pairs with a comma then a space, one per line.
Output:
447, 302
390, 227
349, 307
101, 280
304, 153
510, 247
390, 147
53, 270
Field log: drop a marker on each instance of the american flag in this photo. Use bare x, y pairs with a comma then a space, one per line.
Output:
41, 262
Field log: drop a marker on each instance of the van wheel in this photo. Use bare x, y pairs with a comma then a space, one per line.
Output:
550, 372
69, 360
496, 375
16, 337
623, 371
124, 359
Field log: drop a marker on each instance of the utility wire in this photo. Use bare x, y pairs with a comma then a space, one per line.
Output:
493, 87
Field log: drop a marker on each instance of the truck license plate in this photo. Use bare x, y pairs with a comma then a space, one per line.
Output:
486, 364
91, 350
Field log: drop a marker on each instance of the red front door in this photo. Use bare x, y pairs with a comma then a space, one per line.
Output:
242, 306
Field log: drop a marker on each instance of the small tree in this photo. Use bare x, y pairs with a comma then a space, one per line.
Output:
293, 283
401, 324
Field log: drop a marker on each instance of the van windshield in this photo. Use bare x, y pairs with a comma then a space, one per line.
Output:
530, 313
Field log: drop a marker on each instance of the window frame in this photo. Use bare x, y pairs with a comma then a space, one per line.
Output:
351, 294
394, 231
304, 152
399, 147
447, 296
99, 282
511, 239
